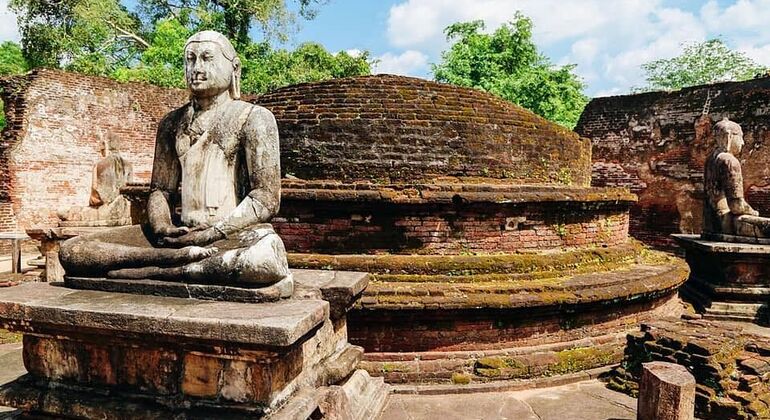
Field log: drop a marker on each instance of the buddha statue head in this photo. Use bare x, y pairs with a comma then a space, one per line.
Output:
211, 65
729, 136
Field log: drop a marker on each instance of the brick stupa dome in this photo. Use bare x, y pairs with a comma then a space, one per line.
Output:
477, 222
395, 129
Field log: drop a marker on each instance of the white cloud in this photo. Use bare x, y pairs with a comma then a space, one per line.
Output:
9, 30
608, 40
409, 62
354, 52
758, 53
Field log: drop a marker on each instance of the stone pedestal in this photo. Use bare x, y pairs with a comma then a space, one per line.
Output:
98, 354
728, 280
666, 392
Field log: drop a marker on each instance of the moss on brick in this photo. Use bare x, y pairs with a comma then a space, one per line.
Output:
9, 337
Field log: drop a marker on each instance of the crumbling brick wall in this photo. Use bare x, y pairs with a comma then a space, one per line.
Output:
656, 144
56, 122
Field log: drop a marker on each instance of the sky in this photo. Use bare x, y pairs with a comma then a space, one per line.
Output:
608, 40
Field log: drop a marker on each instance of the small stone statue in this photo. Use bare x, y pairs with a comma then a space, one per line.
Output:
106, 206
726, 214
217, 158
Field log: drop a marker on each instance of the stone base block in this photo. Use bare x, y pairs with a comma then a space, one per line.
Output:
96, 354
728, 280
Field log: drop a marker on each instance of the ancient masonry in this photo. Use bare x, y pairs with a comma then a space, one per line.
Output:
656, 143
56, 121
492, 258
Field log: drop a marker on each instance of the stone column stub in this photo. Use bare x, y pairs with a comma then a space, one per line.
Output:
666, 392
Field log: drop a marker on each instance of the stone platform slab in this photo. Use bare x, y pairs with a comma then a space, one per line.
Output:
51, 305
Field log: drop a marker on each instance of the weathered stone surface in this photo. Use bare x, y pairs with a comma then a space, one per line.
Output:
106, 206
270, 324
233, 293
340, 288
217, 159
361, 397
666, 392
724, 358
728, 280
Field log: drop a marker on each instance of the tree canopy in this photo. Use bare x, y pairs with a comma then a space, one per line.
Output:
700, 63
507, 63
102, 37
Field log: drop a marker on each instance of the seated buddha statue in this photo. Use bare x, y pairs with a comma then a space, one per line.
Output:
106, 206
726, 214
217, 162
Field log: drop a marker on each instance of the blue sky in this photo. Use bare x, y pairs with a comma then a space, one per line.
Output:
607, 39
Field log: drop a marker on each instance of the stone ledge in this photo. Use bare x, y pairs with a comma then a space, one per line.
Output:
480, 191
268, 324
502, 386
696, 242
550, 264
229, 293
632, 282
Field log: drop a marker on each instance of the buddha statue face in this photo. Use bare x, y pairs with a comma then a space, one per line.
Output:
729, 136
207, 70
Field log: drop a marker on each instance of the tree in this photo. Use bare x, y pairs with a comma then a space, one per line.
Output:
264, 68
507, 63
12, 59
90, 36
699, 64
234, 18
162, 62
100, 36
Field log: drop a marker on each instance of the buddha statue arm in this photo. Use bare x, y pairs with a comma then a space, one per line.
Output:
260, 143
733, 189
165, 181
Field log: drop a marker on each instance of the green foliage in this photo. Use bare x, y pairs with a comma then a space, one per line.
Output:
88, 36
506, 63
102, 37
700, 63
162, 62
264, 68
12, 59
233, 18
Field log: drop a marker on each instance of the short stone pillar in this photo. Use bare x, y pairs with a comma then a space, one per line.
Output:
666, 392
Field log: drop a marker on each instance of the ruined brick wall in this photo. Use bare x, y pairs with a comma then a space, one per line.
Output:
401, 129
656, 144
56, 122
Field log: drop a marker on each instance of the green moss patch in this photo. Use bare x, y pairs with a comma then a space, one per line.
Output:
9, 337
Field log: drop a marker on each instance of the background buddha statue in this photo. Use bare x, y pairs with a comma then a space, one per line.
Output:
106, 206
726, 214
221, 155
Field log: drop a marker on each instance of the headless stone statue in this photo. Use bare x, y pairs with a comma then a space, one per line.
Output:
726, 214
217, 159
106, 206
